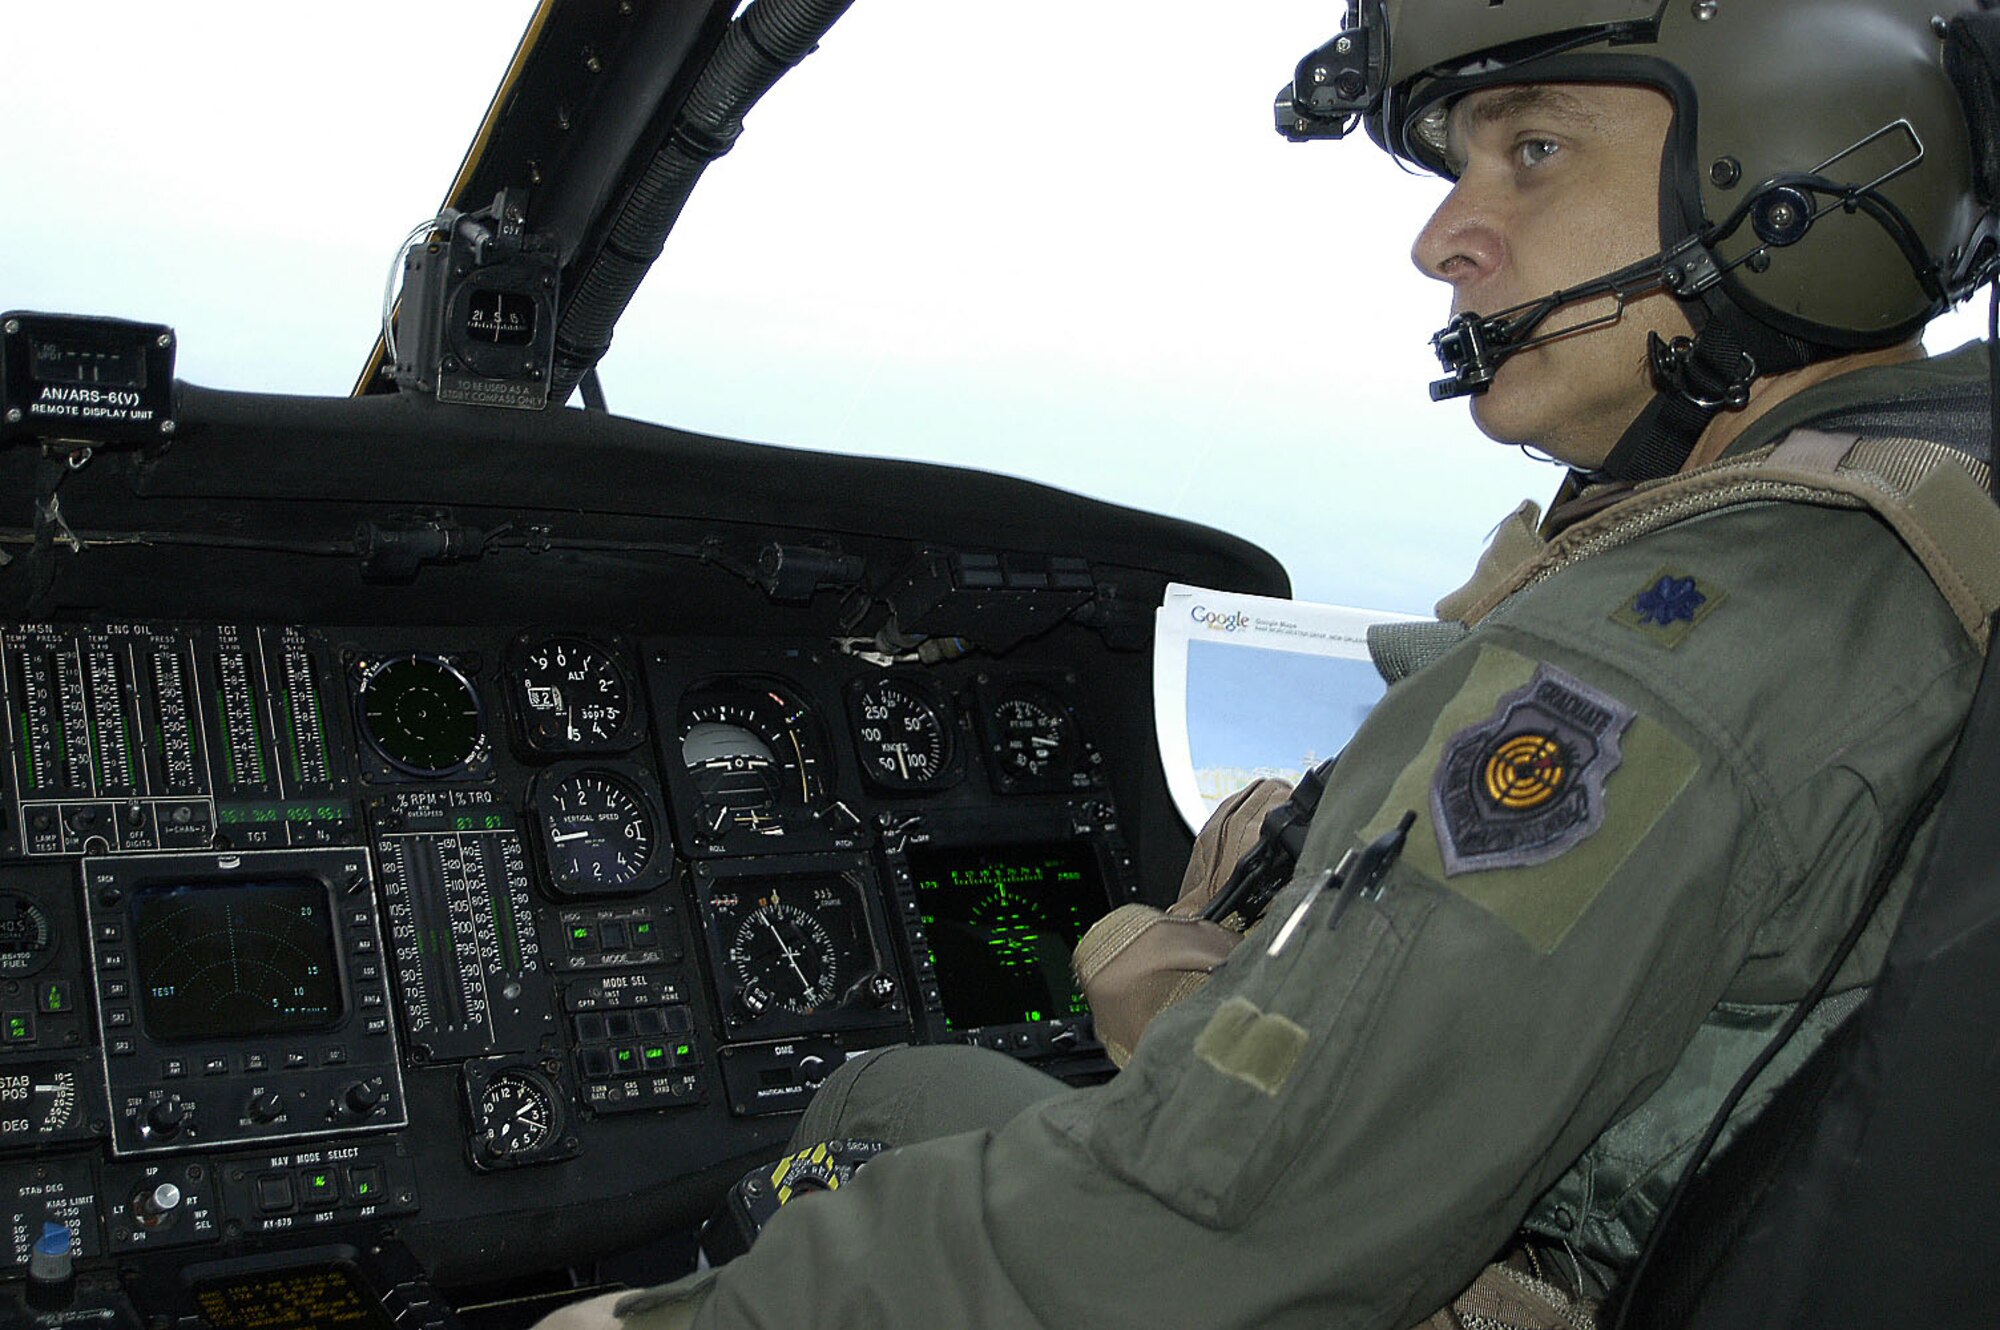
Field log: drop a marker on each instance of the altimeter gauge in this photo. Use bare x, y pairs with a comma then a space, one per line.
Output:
573, 696
1033, 741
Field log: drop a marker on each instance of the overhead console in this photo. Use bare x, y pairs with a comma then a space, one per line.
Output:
432, 850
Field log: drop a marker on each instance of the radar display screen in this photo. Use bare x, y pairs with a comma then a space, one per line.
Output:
237, 959
322, 1297
1002, 922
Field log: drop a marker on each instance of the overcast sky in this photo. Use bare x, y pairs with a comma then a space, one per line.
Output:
1056, 238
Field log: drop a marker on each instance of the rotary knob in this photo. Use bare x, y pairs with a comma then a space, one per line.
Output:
164, 1119
362, 1098
267, 1107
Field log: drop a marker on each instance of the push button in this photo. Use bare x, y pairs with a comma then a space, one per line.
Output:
364, 1183
613, 935
274, 1193
53, 997
19, 1027
319, 1187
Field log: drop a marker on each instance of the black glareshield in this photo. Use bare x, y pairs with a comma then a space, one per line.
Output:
1338, 84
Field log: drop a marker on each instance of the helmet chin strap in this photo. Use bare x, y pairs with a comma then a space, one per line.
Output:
1698, 378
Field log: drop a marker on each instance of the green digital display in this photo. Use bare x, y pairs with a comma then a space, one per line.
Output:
1003, 922
225, 960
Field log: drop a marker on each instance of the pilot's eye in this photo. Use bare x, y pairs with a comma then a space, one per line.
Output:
1533, 152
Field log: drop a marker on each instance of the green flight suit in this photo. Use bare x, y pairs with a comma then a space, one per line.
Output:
1650, 791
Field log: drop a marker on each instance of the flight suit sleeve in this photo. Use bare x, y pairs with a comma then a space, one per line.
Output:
1341, 1130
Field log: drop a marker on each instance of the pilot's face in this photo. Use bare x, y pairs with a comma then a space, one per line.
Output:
1558, 184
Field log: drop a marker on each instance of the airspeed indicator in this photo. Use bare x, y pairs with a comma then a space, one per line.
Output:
901, 734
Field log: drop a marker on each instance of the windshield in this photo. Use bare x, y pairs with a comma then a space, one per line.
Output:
1054, 240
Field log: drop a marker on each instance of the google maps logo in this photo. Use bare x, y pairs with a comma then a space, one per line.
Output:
1221, 623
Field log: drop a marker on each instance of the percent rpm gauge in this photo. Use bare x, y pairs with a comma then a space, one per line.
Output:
901, 734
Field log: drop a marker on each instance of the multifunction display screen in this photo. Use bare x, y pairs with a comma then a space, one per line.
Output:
234, 960
313, 1298
1003, 922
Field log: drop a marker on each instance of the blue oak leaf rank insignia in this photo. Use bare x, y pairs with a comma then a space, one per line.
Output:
1669, 606
1527, 783
1669, 601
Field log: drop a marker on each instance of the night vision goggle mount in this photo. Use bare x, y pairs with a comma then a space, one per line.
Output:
1337, 84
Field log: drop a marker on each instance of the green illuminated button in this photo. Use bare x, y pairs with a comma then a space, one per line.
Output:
655, 1055
683, 1054
318, 1186
19, 1027
364, 1183
625, 1059
53, 996
579, 937
642, 933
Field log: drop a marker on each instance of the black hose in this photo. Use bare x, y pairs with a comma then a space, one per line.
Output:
756, 49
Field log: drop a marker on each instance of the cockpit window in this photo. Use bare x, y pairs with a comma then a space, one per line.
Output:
1086, 261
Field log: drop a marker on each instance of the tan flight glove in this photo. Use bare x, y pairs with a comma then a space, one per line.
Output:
1137, 961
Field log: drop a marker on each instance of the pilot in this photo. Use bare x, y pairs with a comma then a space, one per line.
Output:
1620, 806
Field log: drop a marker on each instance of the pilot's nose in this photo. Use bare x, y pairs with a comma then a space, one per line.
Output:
1462, 243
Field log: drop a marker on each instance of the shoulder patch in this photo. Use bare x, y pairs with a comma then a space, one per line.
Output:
1669, 606
1524, 785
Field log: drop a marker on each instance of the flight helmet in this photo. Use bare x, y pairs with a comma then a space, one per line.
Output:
1817, 193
